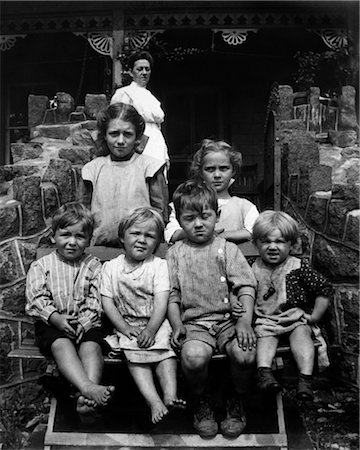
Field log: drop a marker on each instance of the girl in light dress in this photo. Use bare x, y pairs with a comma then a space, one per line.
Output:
291, 300
216, 163
135, 290
119, 179
146, 104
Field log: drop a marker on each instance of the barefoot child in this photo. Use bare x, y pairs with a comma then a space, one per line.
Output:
135, 291
206, 272
62, 291
291, 300
120, 179
216, 163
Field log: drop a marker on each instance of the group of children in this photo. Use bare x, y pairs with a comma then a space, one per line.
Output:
204, 298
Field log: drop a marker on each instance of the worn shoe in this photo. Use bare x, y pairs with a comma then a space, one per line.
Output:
266, 381
304, 389
235, 421
204, 419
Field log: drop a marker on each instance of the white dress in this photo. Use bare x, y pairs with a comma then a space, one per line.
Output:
149, 107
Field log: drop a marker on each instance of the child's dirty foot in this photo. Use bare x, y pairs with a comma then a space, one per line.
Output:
87, 413
98, 393
158, 412
175, 403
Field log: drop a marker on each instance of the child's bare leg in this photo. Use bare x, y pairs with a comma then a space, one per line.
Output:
71, 367
143, 377
302, 348
195, 357
166, 373
242, 365
266, 350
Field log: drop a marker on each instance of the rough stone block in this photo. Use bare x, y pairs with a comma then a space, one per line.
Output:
21, 151
65, 105
59, 172
350, 152
352, 227
89, 125
349, 368
6, 365
347, 114
51, 200
57, 131
316, 210
349, 193
37, 105
298, 125
329, 118
27, 248
301, 113
27, 191
13, 298
77, 154
286, 102
347, 301
10, 265
337, 211
82, 137
10, 211
344, 138
336, 261
314, 115
320, 178
94, 103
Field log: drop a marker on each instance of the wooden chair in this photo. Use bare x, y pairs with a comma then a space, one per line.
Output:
246, 184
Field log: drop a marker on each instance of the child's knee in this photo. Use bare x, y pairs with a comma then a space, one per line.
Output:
241, 357
195, 356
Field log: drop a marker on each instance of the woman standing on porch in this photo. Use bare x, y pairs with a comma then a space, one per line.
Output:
137, 95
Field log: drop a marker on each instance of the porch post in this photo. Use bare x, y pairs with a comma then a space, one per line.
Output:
118, 40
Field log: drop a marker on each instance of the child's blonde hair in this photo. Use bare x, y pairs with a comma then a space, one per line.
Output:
207, 146
270, 220
194, 195
140, 215
70, 214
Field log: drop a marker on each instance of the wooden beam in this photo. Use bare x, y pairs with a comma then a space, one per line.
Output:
118, 41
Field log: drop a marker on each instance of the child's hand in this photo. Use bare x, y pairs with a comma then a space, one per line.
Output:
131, 332
79, 333
177, 337
238, 310
146, 338
245, 336
64, 322
309, 319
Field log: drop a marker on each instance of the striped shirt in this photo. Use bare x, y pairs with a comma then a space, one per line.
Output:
206, 279
66, 287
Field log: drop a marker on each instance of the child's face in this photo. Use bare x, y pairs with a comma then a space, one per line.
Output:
120, 137
199, 227
273, 248
140, 241
71, 241
217, 170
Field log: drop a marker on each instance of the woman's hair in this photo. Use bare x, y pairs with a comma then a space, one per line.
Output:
70, 214
140, 215
122, 111
207, 146
270, 220
195, 196
140, 54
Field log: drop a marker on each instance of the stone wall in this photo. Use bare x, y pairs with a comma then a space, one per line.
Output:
43, 176
320, 188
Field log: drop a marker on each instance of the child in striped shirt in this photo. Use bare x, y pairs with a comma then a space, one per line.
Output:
62, 291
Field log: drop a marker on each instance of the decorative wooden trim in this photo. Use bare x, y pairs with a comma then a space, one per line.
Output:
8, 41
235, 36
335, 39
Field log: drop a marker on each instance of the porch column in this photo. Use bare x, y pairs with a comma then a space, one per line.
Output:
118, 40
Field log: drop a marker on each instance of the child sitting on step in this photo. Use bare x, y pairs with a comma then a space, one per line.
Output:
208, 273
135, 292
291, 300
62, 291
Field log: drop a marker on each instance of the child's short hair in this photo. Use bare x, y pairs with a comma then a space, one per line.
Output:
270, 220
142, 214
207, 146
194, 195
122, 111
70, 214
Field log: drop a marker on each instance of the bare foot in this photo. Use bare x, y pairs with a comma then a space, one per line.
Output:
175, 403
98, 393
158, 411
87, 412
